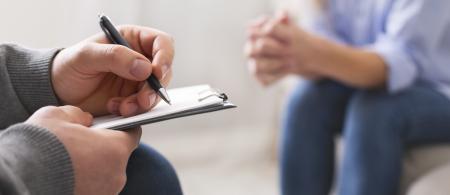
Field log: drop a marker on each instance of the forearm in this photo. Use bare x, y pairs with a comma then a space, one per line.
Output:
34, 161
24, 82
352, 66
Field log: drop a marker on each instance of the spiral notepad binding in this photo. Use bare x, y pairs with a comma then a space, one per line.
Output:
211, 93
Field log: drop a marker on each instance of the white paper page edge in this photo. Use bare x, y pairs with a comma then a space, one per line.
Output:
185, 98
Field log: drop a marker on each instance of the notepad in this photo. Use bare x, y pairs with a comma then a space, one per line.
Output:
186, 101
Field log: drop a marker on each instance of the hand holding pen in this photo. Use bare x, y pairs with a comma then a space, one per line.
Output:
104, 78
115, 37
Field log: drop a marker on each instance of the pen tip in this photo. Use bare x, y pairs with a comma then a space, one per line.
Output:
165, 96
100, 15
166, 100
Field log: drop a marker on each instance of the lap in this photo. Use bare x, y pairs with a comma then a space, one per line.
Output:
316, 105
420, 114
148, 172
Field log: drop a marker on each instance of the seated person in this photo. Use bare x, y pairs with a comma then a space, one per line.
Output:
54, 151
377, 72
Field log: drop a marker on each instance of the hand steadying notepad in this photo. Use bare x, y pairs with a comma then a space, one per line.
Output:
185, 102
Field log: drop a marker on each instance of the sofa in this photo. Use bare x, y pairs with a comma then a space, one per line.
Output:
427, 171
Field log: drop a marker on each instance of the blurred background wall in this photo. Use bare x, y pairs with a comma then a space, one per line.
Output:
231, 152
209, 38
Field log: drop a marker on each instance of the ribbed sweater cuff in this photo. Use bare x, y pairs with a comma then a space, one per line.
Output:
30, 75
39, 158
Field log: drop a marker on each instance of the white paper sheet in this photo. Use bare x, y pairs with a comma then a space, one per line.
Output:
183, 99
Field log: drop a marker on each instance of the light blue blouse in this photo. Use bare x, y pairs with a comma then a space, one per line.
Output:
412, 36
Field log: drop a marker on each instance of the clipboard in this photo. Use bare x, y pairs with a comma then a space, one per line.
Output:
186, 101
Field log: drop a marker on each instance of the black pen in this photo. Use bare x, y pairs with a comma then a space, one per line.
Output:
114, 36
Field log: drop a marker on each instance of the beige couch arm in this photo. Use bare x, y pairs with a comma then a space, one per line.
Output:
435, 182
427, 171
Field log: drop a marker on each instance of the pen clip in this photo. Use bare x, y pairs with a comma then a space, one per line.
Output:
205, 94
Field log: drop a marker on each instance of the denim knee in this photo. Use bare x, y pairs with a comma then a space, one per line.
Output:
149, 172
316, 105
310, 97
374, 114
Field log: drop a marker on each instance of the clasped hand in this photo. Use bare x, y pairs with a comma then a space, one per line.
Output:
277, 47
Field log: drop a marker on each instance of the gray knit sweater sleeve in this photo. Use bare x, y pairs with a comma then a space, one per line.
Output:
32, 159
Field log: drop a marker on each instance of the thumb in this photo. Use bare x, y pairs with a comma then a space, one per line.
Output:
284, 18
280, 27
117, 59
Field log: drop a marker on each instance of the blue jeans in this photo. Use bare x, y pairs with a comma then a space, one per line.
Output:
150, 173
377, 128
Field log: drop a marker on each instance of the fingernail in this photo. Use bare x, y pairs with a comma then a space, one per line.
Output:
152, 99
164, 70
133, 108
139, 68
115, 107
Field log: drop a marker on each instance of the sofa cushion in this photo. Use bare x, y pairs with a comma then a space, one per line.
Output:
427, 169
435, 182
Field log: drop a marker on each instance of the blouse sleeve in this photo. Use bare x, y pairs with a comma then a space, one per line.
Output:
412, 41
